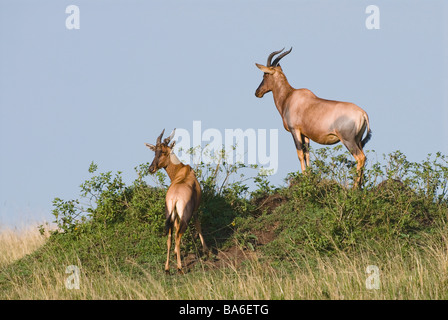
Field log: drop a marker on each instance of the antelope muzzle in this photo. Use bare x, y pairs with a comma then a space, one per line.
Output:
154, 165
259, 93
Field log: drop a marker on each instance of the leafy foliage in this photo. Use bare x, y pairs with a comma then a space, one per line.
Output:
401, 200
317, 211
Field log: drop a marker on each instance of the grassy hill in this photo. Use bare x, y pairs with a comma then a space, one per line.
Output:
314, 238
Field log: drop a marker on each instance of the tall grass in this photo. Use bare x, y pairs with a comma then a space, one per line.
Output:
421, 274
15, 243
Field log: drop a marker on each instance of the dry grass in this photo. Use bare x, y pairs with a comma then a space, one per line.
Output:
421, 275
18, 242
414, 273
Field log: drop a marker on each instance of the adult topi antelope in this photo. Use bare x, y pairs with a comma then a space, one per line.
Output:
183, 195
307, 116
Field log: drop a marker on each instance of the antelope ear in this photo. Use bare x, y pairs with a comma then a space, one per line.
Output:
172, 145
150, 146
265, 69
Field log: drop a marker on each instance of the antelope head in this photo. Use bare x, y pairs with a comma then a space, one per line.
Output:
163, 152
272, 73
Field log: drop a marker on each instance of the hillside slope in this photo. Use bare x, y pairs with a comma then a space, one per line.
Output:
313, 238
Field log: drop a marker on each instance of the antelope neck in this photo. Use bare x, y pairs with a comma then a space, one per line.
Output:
282, 89
172, 169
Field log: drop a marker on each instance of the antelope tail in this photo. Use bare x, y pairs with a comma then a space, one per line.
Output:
369, 132
169, 221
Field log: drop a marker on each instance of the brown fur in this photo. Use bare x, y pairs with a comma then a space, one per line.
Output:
307, 117
182, 198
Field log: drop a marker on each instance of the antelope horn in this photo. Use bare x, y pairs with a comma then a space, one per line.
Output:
159, 138
268, 64
277, 60
167, 140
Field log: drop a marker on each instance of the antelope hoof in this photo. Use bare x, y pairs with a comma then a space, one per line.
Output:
180, 271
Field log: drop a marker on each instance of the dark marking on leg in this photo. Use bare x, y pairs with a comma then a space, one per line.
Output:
297, 136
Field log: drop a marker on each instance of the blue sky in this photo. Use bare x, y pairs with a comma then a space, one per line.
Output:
70, 97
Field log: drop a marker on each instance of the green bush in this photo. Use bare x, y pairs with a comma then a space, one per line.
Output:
109, 204
400, 201
318, 211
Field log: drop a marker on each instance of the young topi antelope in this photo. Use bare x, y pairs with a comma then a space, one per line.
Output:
308, 117
183, 195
